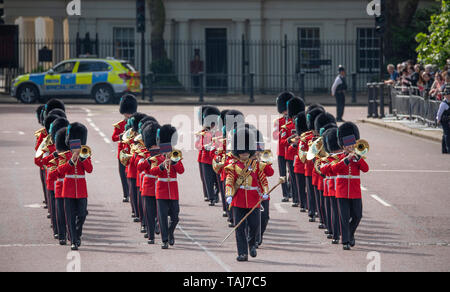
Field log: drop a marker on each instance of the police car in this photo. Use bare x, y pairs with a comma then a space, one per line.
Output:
102, 79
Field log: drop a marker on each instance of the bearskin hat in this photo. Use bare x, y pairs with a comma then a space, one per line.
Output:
76, 131
322, 120
345, 130
58, 112
39, 109
146, 121
128, 104
330, 140
52, 104
244, 141
48, 121
311, 117
282, 100
149, 132
313, 106
294, 106
300, 123
56, 125
135, 119
211, 115
60, 140
167, 134
235, 115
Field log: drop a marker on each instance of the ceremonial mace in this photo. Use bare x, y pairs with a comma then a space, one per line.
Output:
282, 181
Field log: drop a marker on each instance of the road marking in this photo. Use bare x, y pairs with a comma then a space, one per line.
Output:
209, 253
34, 206
410, 170
21, 133
363, 188
107, 141
279, 208
91, 123
380, 201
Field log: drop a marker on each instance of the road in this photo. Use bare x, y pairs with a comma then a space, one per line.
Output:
405, 196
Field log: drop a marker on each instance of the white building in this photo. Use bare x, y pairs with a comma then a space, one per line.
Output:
216, 28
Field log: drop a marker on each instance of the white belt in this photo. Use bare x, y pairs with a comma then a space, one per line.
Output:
348, 176
247, 188
150, 176
167, 179
60, 179
75, 176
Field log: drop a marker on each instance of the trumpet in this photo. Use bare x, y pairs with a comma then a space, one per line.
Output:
362, 147
128, 136
175, 155
267, 156
85, 152
116, 125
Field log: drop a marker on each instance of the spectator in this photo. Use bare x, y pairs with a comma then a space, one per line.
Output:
429, 69
400, 68
443, 118
436, 88
393, 75
196, 68
425, 84
405, 81
415, 75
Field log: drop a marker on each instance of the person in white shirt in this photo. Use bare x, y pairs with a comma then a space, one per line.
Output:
338, 91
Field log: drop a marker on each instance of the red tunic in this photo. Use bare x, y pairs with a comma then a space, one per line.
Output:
348, 183
285, 134
167, 188
118, 130
74, 178
277, 134
299, 166
57, 177
148, 187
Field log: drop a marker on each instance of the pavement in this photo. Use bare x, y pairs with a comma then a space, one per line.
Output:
404, 226
240, 100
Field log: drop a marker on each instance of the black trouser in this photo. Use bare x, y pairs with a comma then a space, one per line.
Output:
350, 212
335, 219
221, 187
150, 211
133, 196
264, 215
292, 181
328, 215
311, 197
140, 206
317, 200
340, 105
123, 180
282, 170
209, 177
76, 212
61, 218
52, 210
301, 189
245, 241
44, 184
205, 193
446, 137
167, 208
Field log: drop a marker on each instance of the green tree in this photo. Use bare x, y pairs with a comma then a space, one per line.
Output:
434, 47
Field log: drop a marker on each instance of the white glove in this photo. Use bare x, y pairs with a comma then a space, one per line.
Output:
229, 200
265, 197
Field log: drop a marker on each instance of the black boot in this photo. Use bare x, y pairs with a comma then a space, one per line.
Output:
74, 247
352, 242
253, 252
165, 245
151, 241
242, 258
346, 247
171, 239
125, 200
62, 242
335, 241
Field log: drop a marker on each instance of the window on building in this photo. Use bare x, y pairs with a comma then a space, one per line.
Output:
309, 48
368, 51
93, 67
124, 44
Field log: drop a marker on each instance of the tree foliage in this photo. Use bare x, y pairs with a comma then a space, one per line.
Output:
434, 47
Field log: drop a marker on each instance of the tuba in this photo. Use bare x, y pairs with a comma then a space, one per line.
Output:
315, 148
128, 136
43, 147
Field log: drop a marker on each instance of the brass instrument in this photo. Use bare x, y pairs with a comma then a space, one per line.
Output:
284, 127
201, 133
124, 157
38, 132
362, 147
217, 164
128, 136
267, 156
85, 152
175, 155
43, 147
315, 149
116, 125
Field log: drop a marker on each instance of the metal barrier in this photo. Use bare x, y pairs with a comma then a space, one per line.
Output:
403, 103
